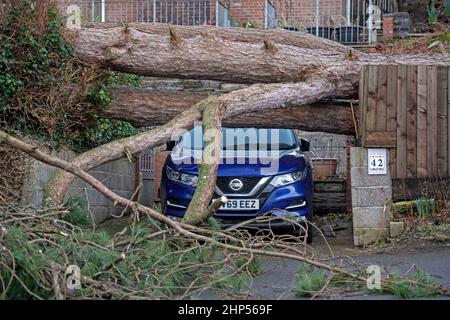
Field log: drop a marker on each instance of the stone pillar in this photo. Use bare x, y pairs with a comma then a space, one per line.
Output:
371, 199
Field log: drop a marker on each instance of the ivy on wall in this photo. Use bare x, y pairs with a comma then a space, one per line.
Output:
45, 91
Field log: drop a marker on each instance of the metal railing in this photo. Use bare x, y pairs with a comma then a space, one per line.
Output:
345, 21
222, 15
270, 14
178, 12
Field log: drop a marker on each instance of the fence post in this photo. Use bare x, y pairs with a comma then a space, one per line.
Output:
266, 18
93, 10
349, 22
154, 11
217, 13
317, 17
103, 14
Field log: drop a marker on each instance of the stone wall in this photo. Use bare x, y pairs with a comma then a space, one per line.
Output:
371, 200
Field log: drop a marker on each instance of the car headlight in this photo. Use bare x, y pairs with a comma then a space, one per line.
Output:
285, 179
185, 178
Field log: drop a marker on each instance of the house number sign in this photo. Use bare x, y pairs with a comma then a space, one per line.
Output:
377, 161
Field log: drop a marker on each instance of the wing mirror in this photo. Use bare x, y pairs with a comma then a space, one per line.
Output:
170, 145
305, 145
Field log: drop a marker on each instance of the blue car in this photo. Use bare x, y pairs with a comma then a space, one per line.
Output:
262, 172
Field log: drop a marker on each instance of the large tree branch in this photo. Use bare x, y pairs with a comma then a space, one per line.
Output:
297, 69
254, 98
236, 55
197, 212
228, 54
184, 229
148, 107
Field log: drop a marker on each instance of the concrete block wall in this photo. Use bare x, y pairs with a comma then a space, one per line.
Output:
371, 200
118, 175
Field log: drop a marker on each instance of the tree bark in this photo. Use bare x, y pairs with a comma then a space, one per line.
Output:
227, 54
147, 107
198, 210
258, 97
235, 55
291, 69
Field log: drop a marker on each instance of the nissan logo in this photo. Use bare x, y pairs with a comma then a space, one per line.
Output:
236, 184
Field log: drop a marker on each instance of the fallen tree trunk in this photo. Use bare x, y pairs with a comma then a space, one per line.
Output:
310, 69
295, 69
227, 54
251, 99
147, 107
198, 210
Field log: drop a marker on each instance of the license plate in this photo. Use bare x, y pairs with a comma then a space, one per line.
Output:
241, 204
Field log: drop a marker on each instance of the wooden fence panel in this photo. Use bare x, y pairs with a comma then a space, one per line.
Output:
411, 123
448, 121
422, 129
406, 108
391, 100
381, 113
432, 122
442, 128
402, 121
371, 114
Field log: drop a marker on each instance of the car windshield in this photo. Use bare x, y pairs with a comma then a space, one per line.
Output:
249, 139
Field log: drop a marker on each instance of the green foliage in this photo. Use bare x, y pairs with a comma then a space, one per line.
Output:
309, 281
45, 92
213, 223
157, 206
340, 280
444, 37
433, 12
104, 131
78, 213
249, 25
124, 79
27, 55
28, 262
229, 281
155, 267
252, 266
425, 207
417, 285
447, 7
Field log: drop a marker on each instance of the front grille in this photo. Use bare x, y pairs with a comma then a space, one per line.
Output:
223, 183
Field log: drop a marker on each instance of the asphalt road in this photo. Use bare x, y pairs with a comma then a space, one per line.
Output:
278, 275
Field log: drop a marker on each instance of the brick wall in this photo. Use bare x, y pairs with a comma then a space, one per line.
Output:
304, 13
242, 11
